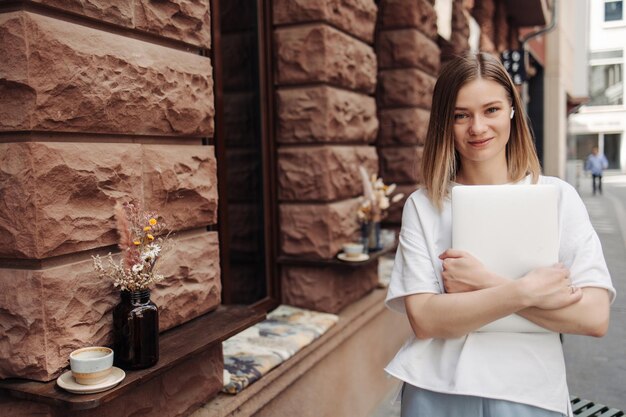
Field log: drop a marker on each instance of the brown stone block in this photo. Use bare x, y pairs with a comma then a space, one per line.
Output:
407, 126
192, 286
317, 230
419, 14
184, 20
90, 89
405, 87
75, 306
407, 48
484, 13
323, 173
17, 98
327, 289
119, 12
180, 182
401, 164
53, 312
395, 211
325, 114
320, 53
22, 325
357, 17
77, 312
58, 198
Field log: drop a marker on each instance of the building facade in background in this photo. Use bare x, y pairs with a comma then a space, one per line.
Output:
601, 120
244, 124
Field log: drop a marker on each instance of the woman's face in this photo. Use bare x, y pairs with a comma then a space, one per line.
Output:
482, 122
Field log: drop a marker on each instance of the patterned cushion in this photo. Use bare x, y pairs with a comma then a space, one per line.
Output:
254, 352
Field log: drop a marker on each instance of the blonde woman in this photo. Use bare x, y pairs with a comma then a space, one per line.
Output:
478, 134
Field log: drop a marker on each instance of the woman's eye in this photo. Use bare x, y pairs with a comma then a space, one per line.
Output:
492, 110
460, 116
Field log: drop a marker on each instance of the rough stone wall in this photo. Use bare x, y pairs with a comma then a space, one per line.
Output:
408, 62
326, 124
459, 38
100, 101
496, 33
484, 12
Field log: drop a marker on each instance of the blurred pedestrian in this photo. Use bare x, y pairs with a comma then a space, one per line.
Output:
478, 134
596, 163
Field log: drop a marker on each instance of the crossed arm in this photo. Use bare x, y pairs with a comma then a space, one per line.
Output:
475, 296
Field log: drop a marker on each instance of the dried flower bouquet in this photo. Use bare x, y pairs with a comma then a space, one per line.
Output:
142, 239
376, 198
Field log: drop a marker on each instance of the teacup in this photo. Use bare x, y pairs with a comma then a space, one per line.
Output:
91, 365
353, 249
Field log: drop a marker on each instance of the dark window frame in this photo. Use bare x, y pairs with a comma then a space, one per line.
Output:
610, 17
266, 104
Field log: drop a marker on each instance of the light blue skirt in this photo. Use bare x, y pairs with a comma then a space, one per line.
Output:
417, 402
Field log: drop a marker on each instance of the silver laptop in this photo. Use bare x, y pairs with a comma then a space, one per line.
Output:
511, 229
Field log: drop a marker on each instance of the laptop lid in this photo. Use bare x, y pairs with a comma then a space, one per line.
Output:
511, 229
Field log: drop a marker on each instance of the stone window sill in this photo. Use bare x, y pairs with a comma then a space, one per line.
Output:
261, 392
176, 345
294, 261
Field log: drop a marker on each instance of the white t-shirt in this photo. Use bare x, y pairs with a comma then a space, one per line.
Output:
527, 368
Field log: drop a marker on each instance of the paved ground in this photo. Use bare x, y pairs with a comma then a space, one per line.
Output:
596, 367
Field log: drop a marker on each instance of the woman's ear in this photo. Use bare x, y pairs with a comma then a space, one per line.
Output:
512, 111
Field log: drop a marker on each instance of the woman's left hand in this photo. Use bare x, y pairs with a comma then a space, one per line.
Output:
462, 272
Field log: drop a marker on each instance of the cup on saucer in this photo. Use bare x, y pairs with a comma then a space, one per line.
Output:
352, 250
91, 365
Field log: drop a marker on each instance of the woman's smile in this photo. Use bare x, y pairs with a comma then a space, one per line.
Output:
480, 143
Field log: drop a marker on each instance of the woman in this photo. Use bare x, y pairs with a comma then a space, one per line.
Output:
478, 135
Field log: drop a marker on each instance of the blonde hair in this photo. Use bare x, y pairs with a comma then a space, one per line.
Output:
440, 161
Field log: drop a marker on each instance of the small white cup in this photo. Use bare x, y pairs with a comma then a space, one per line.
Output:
91, 365
353, 249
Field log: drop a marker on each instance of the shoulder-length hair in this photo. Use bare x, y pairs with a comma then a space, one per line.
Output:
440, 160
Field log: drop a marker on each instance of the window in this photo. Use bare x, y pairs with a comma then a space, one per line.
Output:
613, 10
244, 152
606, 87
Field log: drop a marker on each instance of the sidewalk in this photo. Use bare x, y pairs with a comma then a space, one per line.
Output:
595, 366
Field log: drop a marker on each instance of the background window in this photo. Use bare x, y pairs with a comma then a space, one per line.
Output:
605, 85
612, 10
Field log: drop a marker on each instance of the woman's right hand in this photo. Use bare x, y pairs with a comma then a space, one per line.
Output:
550, 288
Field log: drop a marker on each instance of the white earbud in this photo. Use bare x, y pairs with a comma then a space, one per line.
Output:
512, 112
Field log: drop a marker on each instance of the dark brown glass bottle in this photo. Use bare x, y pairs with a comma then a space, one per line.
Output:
136, 330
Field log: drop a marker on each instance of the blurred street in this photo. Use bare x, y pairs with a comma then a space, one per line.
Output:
596, 368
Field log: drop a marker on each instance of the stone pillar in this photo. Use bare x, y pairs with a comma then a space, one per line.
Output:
326, 123
100, 102
459, 38
408, 62
484, 12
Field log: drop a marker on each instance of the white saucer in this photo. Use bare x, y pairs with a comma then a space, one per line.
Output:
362, 257
67, 382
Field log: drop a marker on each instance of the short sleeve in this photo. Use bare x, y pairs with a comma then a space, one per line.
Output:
581, 249
414, 267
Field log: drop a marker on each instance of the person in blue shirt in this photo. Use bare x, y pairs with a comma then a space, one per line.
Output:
596, 163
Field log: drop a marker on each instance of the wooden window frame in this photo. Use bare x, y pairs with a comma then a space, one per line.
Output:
268, 152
